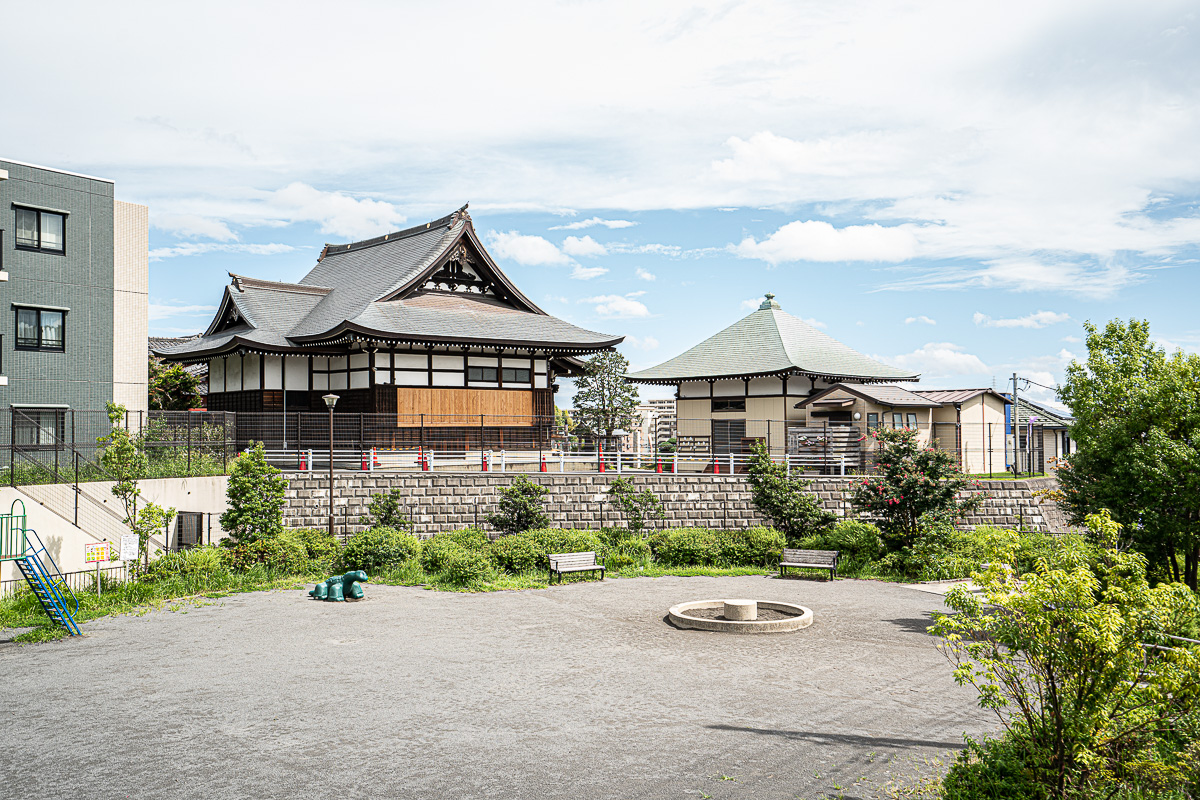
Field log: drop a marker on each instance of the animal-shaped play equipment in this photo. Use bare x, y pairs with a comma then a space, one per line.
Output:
340, 588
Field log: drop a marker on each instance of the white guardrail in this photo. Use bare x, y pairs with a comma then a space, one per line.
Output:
427, 460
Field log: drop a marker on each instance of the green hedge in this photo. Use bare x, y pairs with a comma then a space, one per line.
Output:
518, 552
284, 552
682, 547
377, 550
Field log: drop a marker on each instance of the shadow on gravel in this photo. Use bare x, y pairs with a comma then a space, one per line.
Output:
918, 625
841, 738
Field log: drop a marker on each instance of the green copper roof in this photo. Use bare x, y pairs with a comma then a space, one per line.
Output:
771, 341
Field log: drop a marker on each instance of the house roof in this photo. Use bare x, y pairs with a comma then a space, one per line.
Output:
771, 341
957, 395
391, 288
891, 396
1046, 416
199, 369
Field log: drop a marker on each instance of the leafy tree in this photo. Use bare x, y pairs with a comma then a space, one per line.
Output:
792, 510
172, 388
912, 482
638, 507
124, 459
151, 519
1078, 660
1137, 430
520, 507
255, 496
604, 401
384, 511
667, 445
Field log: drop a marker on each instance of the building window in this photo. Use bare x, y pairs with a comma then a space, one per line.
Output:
897, 419
37, 427
872, 420
516, 375
41, 329
41, 230
912, 421
729, 404
487, 374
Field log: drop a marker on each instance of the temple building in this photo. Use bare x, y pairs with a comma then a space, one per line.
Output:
420, 329
745, 383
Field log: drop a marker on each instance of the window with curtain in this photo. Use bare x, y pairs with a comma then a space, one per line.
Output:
35, 427
41, 329
41, 230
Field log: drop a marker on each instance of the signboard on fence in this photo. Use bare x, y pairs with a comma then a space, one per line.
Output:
95, 552
129, 547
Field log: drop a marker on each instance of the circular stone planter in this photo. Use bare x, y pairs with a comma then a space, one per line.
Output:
684, 616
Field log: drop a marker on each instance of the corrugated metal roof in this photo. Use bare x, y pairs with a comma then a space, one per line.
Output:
770, 340
956, 395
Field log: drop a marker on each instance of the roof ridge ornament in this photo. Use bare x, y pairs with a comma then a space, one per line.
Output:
769, 303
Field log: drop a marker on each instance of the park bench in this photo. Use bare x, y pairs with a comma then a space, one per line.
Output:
561, 563
809, 559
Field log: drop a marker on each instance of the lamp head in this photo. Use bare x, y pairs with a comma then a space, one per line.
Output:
330, 400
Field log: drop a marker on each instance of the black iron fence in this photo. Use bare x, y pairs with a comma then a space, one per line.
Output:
79, 581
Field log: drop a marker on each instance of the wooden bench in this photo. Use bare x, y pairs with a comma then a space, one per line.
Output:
809, 559
561, 563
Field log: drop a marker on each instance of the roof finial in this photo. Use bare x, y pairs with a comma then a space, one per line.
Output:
769, 302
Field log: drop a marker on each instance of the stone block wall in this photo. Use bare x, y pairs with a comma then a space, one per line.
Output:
439, 502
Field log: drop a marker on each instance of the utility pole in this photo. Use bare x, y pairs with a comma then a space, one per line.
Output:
1016, 429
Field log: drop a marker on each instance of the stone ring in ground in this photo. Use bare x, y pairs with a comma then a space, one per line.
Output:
740, 616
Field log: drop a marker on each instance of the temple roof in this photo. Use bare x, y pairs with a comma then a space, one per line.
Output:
771, 341
432, 283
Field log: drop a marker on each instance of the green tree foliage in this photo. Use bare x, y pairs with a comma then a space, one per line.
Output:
124, 459
792, 510
384, 511
912, 482
638, 507
520, 507
172, 388
604, 401
1137, 429
255, 496
1076, 658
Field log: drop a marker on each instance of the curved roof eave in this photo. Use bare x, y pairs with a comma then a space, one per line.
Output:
332, 335
800, 373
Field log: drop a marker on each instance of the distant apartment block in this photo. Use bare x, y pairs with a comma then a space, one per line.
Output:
74, 272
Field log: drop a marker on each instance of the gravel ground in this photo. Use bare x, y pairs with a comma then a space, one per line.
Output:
578, 691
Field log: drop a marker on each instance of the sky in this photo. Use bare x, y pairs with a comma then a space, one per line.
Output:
951, 187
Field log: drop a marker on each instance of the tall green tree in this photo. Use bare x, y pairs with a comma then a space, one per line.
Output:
256, 496
604, 401
172, 388
1137, 430
794, 511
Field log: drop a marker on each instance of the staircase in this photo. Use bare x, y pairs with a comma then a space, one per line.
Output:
22, 546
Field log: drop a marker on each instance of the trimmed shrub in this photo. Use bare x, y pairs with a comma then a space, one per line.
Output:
193, 561
375, 550
436, 552
520, 507
682, 547
518, 552
283, 552
752, 547
469, 538
528, 550
858, 544
317, 542
462, 567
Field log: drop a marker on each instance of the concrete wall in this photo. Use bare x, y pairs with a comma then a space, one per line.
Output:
131, 304
450, 501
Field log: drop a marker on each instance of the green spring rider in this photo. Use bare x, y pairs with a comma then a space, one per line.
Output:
340, 588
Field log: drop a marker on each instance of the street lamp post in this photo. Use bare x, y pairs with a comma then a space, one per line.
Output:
331, 401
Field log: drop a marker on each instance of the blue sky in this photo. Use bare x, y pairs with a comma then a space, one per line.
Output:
950, 187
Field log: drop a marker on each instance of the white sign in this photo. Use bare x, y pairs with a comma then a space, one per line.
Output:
129, 547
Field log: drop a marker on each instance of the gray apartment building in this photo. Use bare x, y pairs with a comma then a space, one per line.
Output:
74, 272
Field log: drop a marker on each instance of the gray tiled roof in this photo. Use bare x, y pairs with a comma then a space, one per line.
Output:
371, 288
957, 395
771, 341
1046, 415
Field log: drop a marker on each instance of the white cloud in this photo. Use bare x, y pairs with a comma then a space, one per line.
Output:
166, 309
638, 293
816, 323
642, 343
614, 305
1072, 339
199, 248
334, 213
644, 275
594, 221
526, 250
1038, 319
587, 246
582, 273
194, 226
752, 305
924, 320
939, 359
815, 240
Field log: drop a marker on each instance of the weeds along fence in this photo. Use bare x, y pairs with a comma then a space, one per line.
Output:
45, 446
79, 581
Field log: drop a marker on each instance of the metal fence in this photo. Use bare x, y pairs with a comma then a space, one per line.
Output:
79, 581
49, 446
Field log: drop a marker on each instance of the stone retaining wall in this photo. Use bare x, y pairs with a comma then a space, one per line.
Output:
450, 501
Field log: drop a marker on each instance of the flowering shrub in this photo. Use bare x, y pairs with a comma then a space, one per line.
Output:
912, 482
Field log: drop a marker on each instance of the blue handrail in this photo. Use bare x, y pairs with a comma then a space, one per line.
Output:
36, 548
